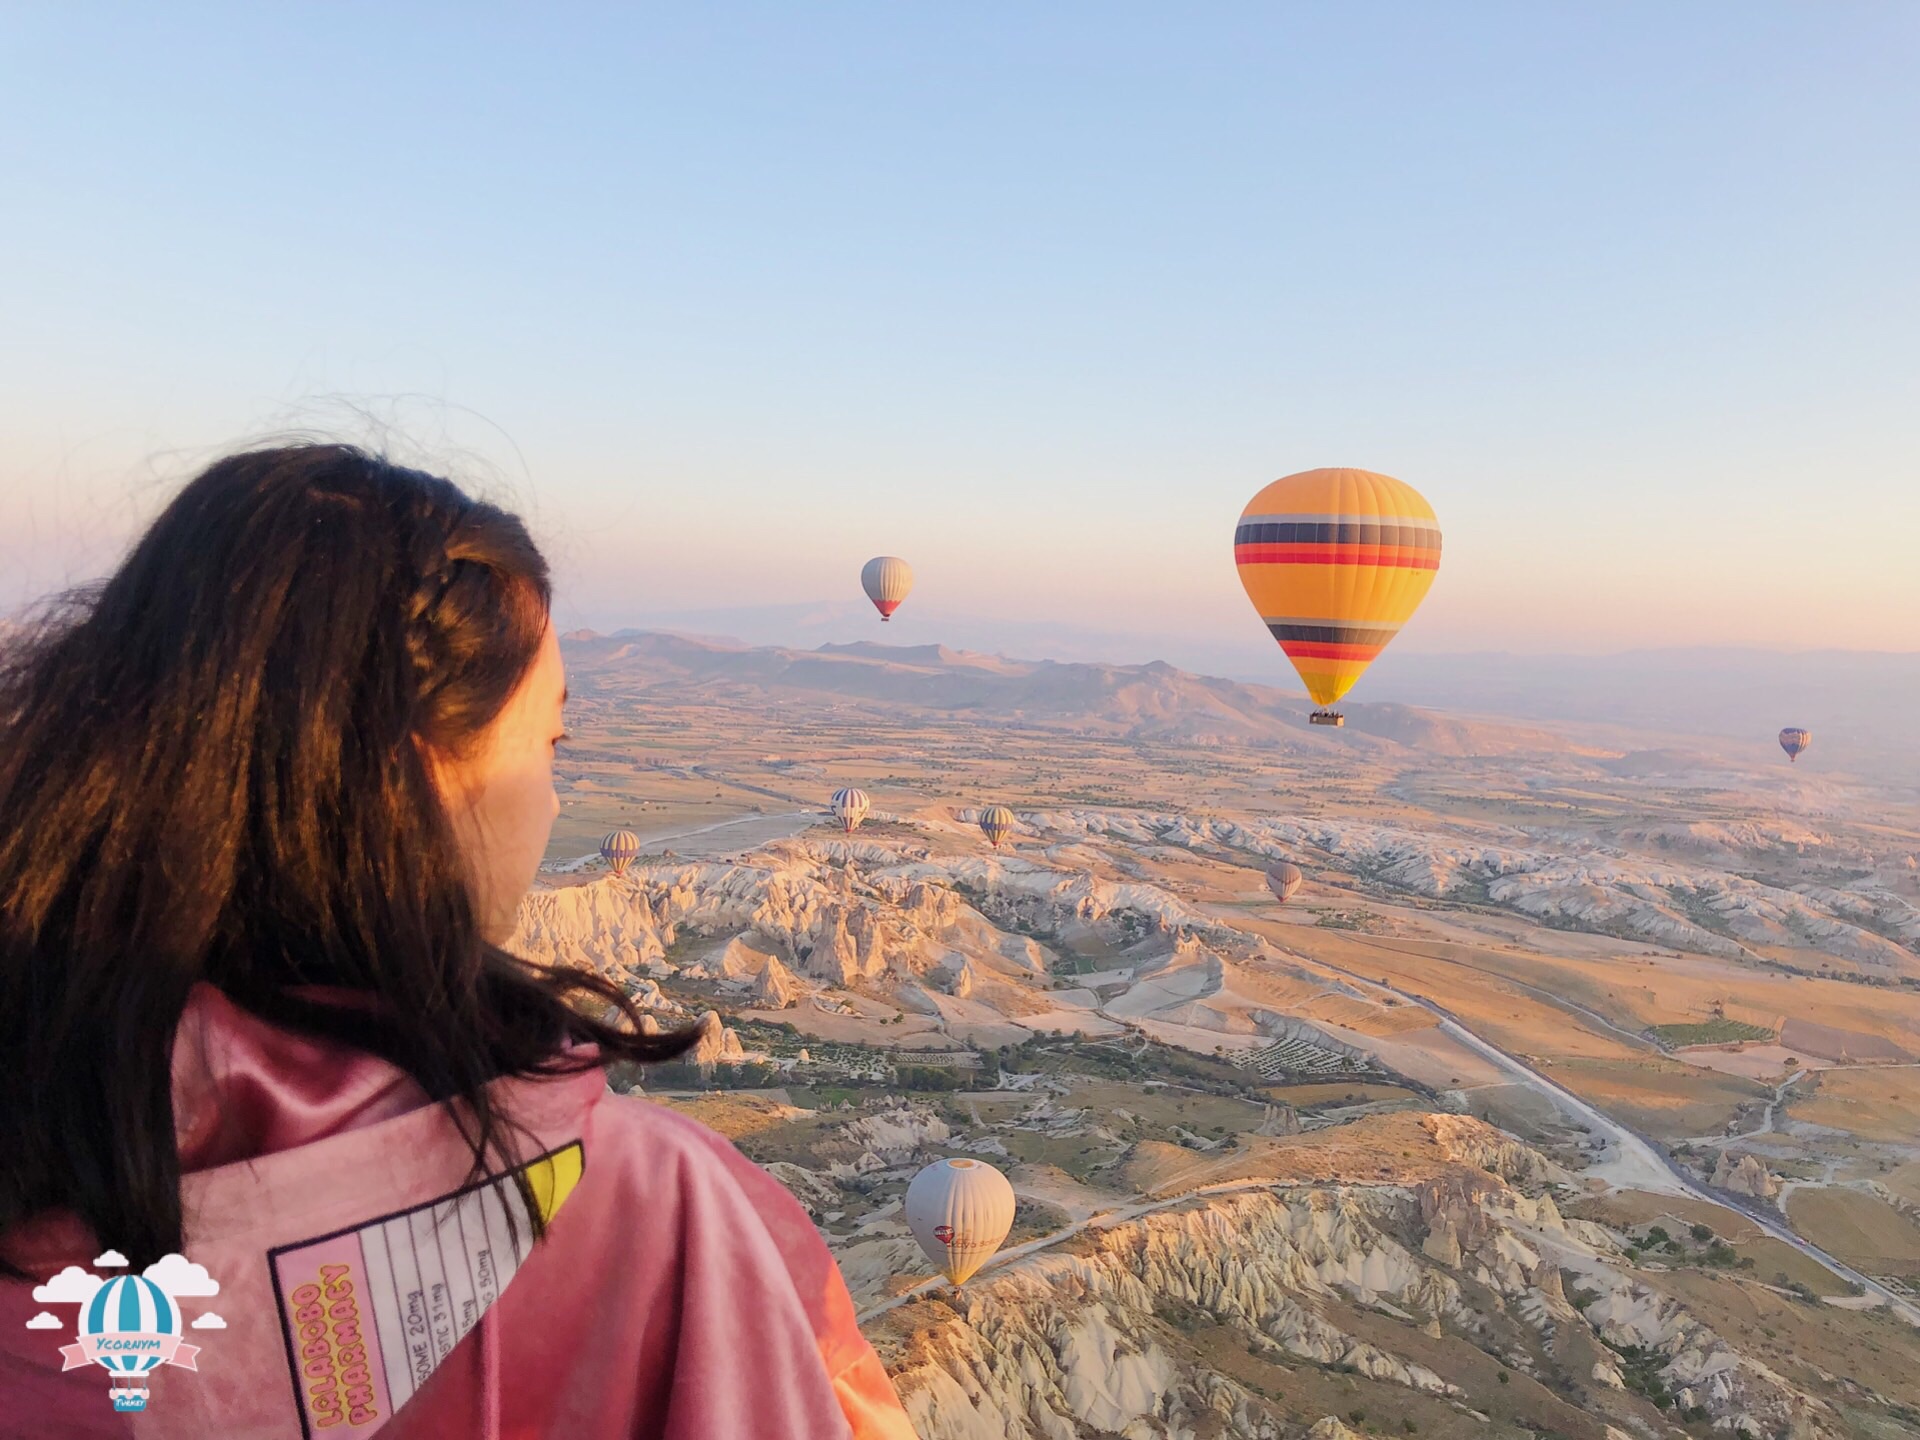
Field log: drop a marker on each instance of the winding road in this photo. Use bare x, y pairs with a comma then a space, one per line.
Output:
1636, 1162
1633, 1162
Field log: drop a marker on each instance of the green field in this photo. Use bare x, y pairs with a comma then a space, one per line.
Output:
1712, 1032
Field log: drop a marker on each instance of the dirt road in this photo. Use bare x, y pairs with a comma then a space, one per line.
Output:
1635, 1162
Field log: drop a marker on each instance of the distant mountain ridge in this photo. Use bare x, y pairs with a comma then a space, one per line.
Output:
1151, 701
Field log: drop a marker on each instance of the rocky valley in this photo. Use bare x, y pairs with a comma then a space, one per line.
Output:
1571, 1096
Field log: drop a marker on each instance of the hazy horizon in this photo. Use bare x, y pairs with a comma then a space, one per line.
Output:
1857, 703
802, 625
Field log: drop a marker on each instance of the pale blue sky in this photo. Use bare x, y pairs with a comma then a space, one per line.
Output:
733, 297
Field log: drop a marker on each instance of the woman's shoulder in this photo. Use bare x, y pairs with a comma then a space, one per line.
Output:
664, 1143
640, 1117
659, 1145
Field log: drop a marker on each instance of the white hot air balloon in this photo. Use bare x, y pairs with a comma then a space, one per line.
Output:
959, 1211
1283, 879
886, 579
850, 807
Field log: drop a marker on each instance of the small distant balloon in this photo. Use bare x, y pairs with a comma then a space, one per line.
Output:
1283, 879
996, 823
959, 1210
850, 807
886, 579
1793, 740
618, 850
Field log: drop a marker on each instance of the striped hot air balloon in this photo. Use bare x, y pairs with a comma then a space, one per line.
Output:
959, 1210
129, 1321
886, 579
1336, 561
850, 807
618, 850
1793, 740
996, 823
1283, 878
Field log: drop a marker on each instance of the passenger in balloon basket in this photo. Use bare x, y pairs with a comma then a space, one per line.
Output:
287, 775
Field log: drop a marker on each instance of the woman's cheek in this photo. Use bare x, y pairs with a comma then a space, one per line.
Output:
539, 807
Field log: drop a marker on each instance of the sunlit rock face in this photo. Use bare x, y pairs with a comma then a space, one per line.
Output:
774, 988
805, 922
1745, 1175
1475, 1143
715, 1043
1667, 886
842, 915
1096, 1337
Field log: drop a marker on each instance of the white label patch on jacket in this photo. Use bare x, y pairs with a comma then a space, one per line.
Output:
369, 1312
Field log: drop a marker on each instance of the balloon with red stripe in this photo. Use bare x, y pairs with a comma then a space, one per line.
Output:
959, 1210
996, 823
1335, 562
886, 579
1283, 879
618, 850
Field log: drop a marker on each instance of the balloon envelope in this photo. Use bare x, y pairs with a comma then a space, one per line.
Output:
996, 823
886, 579
1336, 561
618, 850
1283, 879
1793, 740
850, 807
130, 1305
959, 1211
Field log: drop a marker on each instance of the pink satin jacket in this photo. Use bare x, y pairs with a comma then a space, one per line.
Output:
365, 1285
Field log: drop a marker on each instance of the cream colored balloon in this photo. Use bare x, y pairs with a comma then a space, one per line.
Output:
886, 579
959, 1211
1283, 879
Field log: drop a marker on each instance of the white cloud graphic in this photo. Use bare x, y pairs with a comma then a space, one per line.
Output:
45, 1320
180, 1277
209, 1321
110, 1260
72, 1286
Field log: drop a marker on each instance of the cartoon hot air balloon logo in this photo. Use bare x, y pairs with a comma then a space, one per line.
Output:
1793, 740
130, 1327
850, 807
996, 823
959, 1210
618, 850
1283, 878
1336, 561
886, 579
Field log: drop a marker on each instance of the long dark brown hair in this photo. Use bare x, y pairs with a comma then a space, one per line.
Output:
212, 769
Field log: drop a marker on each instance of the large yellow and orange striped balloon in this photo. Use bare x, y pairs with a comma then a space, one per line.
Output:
1336, 561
